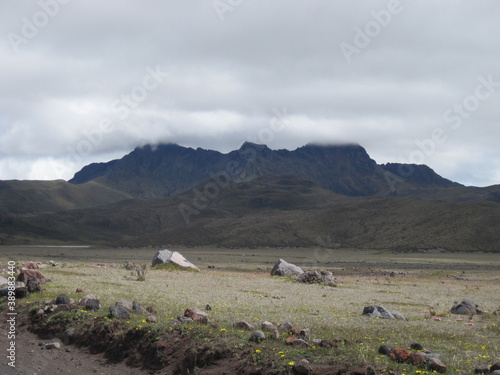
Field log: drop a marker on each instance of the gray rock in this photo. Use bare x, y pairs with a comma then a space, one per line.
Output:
416, 346
496, 372
53, 345
377, 312
495, 367
285, 327
3, 281
119, 312
167, 256
257, 336
83, 301
197, 315
385, 349
92, 305
268, 326
482, 370
137, 308
397, 315
283, 268
435, 364
429, 356
62, 299
305, 333
244, 326
466, 307
317, 276
302, 367
152, 319
127, 305
300, 343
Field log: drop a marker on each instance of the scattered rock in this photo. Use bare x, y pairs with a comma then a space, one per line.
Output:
275, 334
482, 370
137, 308
257, 336
495, 367
268, 326
127, 305
92, 304
25, 275
197, 315
316, 276
429, 356
84, 300
417, 359
466, 307
244, 325
399, 355
79, 290
33, 285
167, 256
283, 268
385, 349
377, 312
152, 319
397, 315
416, 346
3, 281
285, 327
302, 366
62, 299
119, 312
31, 266
435, 364
300, 343
496, 372
305, 333
208, 307
53, 345
290, 340
152, 309
182, 319
364, 371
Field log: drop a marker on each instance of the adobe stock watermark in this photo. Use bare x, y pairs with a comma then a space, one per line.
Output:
11, 314
121, 109
363, 37
30, 27
221, 7
234, 169
456, 115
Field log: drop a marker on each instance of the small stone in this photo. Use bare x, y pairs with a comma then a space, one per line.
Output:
285, 327
63, 299
429, 356
399, 355
257, 336
152, 319
268, 326
53, 345
183, 319
364, 371
197, 315
79, 290
92, 305
40, 312
385, 349
208, 307
482, 370
294, 331
496, 372
127, 305
137, 308
435, 364
495, 367
119, 312
244, 326
302, 366
152, 309
327, 344
417, 359
416, 346
275, 334
300, 343
290, 340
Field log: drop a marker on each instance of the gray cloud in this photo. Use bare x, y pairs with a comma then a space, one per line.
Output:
74, 89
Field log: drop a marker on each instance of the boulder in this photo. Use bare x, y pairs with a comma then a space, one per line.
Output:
152, 319
466, 307
137, 308
417, 359
244, 326
257, 336
285, 327
167, 256
25, 275
317, 276
197, 315
119, 312
377, 312
302, 367
127, 305
92, 304
399, 355
283, 268
385, 349
268, 326
62, 299
435, 364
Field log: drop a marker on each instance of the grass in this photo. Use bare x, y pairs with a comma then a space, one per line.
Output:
330, 313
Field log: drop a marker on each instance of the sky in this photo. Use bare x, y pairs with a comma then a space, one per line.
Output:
85, 81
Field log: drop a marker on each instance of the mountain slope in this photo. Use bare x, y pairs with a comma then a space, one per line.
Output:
169, 169
280, 211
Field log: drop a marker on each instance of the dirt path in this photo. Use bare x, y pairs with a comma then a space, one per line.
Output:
33, 359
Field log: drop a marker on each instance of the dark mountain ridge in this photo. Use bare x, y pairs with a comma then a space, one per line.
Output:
167, 169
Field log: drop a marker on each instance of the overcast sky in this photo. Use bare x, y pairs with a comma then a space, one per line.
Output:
86, 81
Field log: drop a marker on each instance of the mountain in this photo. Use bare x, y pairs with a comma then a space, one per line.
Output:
274, 211
168, 169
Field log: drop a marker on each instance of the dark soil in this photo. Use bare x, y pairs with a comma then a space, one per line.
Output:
108, 347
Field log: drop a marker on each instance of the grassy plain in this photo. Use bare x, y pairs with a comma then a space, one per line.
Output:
240, 288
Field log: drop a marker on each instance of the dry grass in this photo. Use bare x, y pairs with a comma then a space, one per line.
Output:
328, 312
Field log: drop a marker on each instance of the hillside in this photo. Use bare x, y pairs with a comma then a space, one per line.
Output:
279, 211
